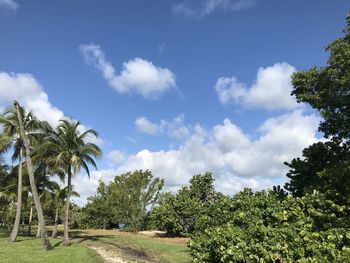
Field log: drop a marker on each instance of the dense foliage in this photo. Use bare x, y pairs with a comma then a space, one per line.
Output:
263, 228
191, 207
123, 202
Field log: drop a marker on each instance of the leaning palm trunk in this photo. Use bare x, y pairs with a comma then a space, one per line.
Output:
15, 229
30, 221
54, 232
44, 239
38, 231
66, 210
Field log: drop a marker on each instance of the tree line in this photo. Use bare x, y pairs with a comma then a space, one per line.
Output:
41, 151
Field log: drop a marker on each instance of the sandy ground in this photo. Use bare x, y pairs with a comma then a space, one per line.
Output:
109, 256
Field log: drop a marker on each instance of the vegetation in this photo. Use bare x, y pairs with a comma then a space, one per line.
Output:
263, 228
27, 250
66, 150
45, 151
307, 221
123, 202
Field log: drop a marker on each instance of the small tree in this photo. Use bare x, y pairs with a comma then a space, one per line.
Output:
129, 196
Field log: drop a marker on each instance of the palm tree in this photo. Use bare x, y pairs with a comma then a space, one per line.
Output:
58, 195
70, 152
11, 137
23, 134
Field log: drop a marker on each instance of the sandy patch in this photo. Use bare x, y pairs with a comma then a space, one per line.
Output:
108, 255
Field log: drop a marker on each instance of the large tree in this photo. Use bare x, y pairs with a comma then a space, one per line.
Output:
23, 133
326, 89
11, 138
67, 150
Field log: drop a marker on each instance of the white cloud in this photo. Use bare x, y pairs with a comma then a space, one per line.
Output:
138, 76
29, 93
116, 157
271, 90
236, 159
225, 149
9, 5
202, 8
175, 128
145, 126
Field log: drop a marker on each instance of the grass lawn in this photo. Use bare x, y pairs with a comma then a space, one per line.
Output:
133, 248
28, 249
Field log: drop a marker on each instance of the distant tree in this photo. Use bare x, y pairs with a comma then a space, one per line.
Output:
179, 214
57, 196
129, 196
123, 202
97, 213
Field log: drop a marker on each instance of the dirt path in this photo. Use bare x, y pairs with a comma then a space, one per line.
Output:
109, 256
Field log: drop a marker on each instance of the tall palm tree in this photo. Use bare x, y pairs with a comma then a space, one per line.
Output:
11, 137
58, 195
23, 134
70, 151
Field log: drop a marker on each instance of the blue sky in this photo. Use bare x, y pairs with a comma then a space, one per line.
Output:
178, 87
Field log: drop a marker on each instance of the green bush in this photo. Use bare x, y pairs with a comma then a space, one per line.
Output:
264, 228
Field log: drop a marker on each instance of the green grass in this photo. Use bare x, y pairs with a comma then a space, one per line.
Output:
136, 248
28, 249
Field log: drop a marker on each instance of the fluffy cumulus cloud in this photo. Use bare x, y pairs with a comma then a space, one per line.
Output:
8, 5
143, 125
25, 89
138, 75
116, 157
29, 93
176, 128
236, 159
202, 8
230, 153
271, 90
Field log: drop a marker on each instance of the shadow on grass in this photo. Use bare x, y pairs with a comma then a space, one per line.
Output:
57, 244
130, 251
81, 236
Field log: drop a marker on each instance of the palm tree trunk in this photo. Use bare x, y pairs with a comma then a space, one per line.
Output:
38, 231
14, 232
54, 232
44, 239
30, 221
66, 211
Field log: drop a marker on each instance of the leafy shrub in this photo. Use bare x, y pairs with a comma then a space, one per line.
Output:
263, 228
